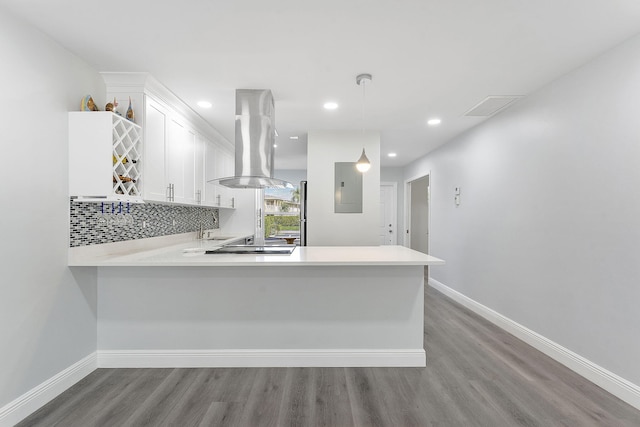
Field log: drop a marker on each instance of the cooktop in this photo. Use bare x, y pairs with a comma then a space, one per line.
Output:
252, 250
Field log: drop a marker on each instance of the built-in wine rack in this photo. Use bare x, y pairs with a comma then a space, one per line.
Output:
126, 157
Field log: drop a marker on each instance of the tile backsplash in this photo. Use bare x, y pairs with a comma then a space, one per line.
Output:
94, 223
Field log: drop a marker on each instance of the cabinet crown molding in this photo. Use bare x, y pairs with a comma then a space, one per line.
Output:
145, 83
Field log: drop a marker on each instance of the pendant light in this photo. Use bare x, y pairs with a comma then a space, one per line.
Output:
363, 163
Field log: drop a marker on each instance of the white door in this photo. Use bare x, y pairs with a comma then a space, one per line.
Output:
388, 204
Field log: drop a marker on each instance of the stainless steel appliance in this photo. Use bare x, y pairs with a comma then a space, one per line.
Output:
303, 213
255, 137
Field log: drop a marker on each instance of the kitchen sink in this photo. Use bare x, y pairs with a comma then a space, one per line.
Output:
252, 250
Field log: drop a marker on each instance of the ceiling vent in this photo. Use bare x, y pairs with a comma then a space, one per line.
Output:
491, 105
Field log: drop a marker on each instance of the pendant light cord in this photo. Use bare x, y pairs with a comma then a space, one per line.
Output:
364, 83
363, 164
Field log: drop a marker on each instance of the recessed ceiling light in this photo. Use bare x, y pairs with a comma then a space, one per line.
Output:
275, 145
392, 154
205, 104
293, 137
434, 122
330, 105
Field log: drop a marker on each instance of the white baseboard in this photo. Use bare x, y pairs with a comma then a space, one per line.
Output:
614, 384
37, 397
260, 358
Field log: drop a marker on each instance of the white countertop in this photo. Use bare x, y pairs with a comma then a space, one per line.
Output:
191, 253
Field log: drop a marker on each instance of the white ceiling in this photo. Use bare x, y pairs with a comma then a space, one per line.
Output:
428, 58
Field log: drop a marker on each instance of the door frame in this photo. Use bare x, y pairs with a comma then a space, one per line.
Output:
407, 208
394, 211
258, 222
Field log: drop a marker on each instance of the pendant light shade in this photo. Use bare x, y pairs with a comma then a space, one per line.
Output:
363, 163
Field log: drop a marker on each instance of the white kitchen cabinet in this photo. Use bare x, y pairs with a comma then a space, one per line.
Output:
218, 163
189, 167
155, 142
210, 173
182, 150
104, 157
171, 150
181, 162
224, 168
199, 169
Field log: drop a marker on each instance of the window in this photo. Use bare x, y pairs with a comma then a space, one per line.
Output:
282, 214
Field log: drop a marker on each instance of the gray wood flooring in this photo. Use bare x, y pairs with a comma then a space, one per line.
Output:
476, 375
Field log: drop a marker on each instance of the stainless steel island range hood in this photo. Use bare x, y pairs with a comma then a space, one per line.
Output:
255, 136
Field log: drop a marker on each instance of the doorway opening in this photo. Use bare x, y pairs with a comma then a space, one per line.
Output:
417, 213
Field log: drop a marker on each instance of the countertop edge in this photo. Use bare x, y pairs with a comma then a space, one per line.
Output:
308, 256
186, 250
260, 264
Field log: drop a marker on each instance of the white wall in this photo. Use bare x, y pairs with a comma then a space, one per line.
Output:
548, 229
47, 311
326, 228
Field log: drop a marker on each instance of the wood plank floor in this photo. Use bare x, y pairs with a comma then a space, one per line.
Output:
476, 375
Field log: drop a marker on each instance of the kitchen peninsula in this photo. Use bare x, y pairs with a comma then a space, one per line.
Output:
176, 306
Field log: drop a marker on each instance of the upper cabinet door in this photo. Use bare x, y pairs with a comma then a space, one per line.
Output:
199, 168
175, 167
181, 162
155, 141
225, 168
188, 166
211, 172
